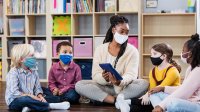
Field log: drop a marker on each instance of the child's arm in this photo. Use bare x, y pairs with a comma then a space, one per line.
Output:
37, 88
51, 80
78, 77
12, 83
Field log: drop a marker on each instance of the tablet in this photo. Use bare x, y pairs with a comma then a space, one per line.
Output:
108, 67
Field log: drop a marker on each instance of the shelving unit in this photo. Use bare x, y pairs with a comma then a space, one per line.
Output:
38, 26
35, 29
174, 29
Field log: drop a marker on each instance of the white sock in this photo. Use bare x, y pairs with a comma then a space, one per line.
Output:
128, 101
26, 109
123, 104
60, 106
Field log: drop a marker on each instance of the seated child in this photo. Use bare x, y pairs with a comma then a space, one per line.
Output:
23, 90
165, 73
64, 74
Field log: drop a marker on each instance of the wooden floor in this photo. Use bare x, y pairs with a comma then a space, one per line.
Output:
73, 108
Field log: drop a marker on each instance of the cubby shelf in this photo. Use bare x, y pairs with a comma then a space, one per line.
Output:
172, 28
83, 25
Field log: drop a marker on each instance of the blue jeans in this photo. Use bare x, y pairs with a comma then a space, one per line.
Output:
71, 96
26, 101
157, 98
181, 105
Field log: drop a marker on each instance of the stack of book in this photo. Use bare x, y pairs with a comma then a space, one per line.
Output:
15, 6
61, 6
82, 6
36, 6
105, 6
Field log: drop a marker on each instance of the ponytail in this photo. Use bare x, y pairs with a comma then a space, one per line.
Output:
178, 67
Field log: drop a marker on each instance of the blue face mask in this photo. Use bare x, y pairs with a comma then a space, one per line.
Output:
66, 58
30, 62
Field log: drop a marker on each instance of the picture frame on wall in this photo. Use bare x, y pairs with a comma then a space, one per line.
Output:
151, 3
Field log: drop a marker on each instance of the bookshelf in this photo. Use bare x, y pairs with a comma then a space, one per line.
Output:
173, 29
85, 25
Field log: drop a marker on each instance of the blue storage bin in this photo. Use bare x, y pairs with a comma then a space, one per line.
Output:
86, 69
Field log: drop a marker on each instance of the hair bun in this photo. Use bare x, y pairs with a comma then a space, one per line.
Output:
114, 19
195, 37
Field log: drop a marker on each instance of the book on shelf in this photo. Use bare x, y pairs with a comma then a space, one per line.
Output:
36, 6
40, 47
15, 6
61, 25
105, 6
128, 5
61, 6
17, 26
109, 5
83, 6
54, 45
1, 16
0, 70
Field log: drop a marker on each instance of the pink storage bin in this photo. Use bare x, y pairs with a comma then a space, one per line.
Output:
54, 45
83, 47
133, 41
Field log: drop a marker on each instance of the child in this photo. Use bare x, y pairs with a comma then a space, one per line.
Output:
64, 74
23, 90
186, 97
165, 73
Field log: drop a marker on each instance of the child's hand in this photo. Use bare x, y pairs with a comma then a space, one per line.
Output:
60, 93
55, 91
42, 99
35, 97
156, 90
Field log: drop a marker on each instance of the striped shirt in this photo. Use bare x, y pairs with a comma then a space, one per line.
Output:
20, 81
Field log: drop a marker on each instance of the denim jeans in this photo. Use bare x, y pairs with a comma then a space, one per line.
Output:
71, 96
26, 101
157, 98
181, 105
175, 104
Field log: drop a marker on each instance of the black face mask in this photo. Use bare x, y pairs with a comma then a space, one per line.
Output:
156, 61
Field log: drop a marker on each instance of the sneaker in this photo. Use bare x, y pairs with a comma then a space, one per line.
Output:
26, 109
84, 100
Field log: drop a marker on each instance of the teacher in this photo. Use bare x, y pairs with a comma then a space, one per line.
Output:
124, 57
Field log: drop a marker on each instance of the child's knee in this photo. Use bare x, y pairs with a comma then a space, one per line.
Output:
24, 99
173, 105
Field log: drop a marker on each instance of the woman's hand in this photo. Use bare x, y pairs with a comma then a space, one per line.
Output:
156, 90
113, 80
105, 75
157, 109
